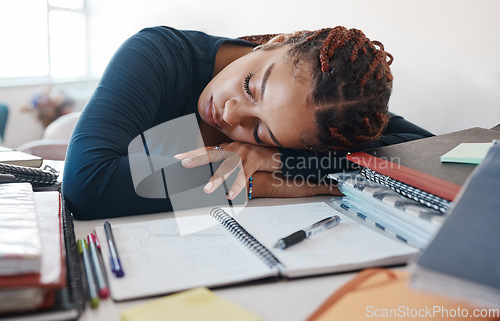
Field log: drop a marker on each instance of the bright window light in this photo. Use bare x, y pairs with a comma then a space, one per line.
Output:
43, 38
68, 4
24, 51
68, 51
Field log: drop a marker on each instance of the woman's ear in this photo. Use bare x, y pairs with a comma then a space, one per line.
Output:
275, 40
282, 38
279, 38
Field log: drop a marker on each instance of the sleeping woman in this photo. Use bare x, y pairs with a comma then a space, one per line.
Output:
278, 101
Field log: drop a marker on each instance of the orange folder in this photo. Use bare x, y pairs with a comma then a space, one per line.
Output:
384, 294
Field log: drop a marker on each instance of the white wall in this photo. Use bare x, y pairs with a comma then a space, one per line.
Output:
446, 67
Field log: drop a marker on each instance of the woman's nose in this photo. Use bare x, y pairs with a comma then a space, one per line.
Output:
234, 112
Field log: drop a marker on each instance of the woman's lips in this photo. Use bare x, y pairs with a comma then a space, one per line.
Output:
211, 114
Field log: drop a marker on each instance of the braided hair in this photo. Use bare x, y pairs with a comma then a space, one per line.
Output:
352, 83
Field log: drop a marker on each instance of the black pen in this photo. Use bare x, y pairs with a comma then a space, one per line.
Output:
301, 235
116, 266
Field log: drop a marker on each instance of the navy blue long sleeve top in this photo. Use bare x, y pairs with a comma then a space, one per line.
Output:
157, 75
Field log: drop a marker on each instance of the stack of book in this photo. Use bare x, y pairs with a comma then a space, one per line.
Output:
386, 210
33, 272
407, 190
15, 157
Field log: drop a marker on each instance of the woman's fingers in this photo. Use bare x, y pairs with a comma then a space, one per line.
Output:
239, 185
192, 153
223, 172
200, 156
247, 158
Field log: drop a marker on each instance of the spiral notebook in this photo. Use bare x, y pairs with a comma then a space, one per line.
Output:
414, 169
29, 174
157, 260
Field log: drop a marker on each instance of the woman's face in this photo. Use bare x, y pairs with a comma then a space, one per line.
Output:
256, 99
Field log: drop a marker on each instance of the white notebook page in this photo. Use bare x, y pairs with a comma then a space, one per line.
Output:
344, 247
157, 260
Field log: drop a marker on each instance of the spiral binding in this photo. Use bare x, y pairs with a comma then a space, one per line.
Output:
74, 294
29, 174
427, 199
246, 238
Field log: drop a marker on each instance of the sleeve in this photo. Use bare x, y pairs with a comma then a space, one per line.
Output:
314, 166
97, 181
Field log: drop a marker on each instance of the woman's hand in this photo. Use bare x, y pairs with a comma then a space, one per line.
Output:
262, 163
245, 158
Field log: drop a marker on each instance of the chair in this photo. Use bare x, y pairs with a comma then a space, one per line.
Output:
4, 116
62, 127
55, 139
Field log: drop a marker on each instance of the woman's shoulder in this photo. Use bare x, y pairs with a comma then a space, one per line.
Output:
192, 40
176, 36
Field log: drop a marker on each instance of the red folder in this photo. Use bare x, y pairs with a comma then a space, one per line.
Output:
425, 182
417, 163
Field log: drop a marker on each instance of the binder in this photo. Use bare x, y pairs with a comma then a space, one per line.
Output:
391, 213
462, 260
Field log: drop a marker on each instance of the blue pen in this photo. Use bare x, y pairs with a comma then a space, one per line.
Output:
93, 246
116, 266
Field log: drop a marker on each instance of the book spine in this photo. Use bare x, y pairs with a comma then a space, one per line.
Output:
424, 198
246, 238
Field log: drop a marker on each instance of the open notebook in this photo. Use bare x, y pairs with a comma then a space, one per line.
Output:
157, 260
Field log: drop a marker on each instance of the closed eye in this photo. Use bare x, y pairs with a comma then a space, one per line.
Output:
246, 85
256, 134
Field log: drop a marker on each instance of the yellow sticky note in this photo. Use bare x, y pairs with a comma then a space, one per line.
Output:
191, 305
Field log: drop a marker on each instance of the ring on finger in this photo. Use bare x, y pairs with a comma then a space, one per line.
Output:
219, 148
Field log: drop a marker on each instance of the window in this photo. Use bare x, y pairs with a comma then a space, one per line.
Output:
43, 38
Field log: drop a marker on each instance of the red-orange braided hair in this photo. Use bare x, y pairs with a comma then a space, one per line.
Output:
352, 83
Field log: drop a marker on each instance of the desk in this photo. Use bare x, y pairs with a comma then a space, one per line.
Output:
290, 300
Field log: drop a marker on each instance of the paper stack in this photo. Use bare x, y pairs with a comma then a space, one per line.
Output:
20, 243
32, 265
387, 210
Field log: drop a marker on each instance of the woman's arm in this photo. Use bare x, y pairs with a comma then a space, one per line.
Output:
97, 180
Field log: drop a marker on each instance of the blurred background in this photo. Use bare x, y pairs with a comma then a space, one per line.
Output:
446, 68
